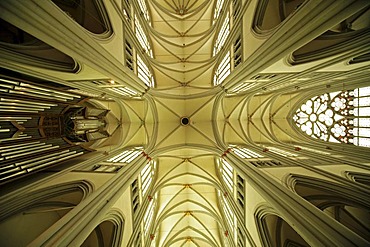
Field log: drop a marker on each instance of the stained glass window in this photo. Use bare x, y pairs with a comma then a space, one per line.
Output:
341, 117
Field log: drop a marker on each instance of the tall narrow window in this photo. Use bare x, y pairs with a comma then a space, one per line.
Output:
144, 10
129, 55
341, 117
222, 35
126, 156
142, 38
246, 153
223, 70
281, 152
227, 173
115, 87
135, 197
144, 73
148, 217
240, 191
126, 9
218, 9
230, 217
237, 50
146, 177
237, 5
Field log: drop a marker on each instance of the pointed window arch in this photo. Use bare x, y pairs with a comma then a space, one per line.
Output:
340, 117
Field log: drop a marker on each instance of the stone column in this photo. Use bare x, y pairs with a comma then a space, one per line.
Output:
75, 227
316, 228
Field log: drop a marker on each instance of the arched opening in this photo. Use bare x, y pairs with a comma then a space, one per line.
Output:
107, 233
338, 39
270, 13
351, 212
276, 232
32, 214
91, 15
19, 46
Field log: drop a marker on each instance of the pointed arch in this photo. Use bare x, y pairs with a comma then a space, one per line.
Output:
343, 204
109, 232
341, 38
274, 231
271, 13
20, 47
46, 206
89, 14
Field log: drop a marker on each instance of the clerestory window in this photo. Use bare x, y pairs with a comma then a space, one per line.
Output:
146, 177
223, 70
142, 38
218, 9
227, 173
144, 10
144, 73
222, 35
230, 217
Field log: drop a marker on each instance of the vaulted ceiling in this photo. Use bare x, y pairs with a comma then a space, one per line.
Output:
182, 34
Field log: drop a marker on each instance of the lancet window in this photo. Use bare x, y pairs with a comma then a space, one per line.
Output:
222, 35
223, 70
227, 173
218, 9
230, 218
142, 37
126, 156
148, 217
144, 73
146, 177
144, 10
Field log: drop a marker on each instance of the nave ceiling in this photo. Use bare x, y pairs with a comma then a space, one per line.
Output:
182, 35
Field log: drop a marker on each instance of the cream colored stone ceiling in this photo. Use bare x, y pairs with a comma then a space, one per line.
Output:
182, 35
182, 44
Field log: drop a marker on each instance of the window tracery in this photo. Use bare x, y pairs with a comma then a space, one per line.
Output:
341, 117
